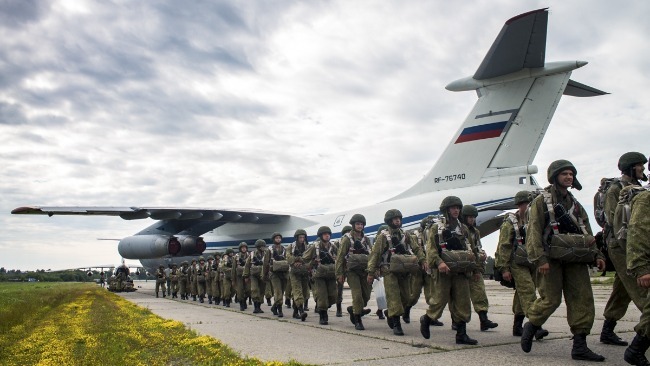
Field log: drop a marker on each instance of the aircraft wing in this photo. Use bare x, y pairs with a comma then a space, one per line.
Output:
159, 213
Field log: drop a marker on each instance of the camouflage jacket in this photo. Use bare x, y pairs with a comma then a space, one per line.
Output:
506, 243
638, 236
344, 249
382, 245
433, 243
258, 256
325, 250
294, 253
475, 241
611, 201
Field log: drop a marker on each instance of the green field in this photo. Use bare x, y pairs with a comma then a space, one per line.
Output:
83, 324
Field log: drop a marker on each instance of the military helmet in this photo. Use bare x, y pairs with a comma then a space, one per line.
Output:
201, 259
274, 235
185, 263
630, 159
469, 210
229, 251
522, 196
300, 232
425, 221
346, 229
210, 258
193, 260
242, 244
174, 265
323, 229
391, 214
161, 266
260, 243
358, 218
557, 167
450, 201
382, 228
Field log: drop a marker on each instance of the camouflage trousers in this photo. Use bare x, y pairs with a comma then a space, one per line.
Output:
194, 288
215, 286
226, 288
324, 293
299, 288
200, 286
268, 289
398, 292
243, 289
477, 294
525, 279
573, 280
420, 283
258, 286
625, 289
174, 287
452, 289
643, 327
183, 285
159, 284
279, 281
208, 286
360, 290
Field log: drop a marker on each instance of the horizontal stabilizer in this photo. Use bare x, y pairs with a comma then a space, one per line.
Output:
520, 44
575, 89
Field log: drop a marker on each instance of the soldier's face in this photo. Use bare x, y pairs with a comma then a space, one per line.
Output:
638, 170
358, 226
523, 206
301, 239
277, 240
397, 222
243, 249
565, 178
471, 220
326, 237
454, 212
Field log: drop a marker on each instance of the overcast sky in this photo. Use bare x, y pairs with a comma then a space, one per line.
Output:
278, 105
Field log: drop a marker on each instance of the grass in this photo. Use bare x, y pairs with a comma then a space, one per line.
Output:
83, 324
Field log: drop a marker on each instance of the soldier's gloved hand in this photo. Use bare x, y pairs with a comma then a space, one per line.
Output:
601, 264
394, 240
443, 268
507, 276
341, 279
644, 281
544, 268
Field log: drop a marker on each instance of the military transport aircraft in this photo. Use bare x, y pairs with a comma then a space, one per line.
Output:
487, 161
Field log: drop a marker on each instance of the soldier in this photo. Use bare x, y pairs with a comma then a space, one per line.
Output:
477, 293
394, 256
208, 278
200, 276
168, 271
238, 275
561, 245
226, 265
298, 273
339, 285
512, 261
215, 275
625, 288
638, 264
279, 273
161, 279
448, 248
183, 280
173, 280
422, 280
192, 279
102, 279
321, 256
256, 271
352, 262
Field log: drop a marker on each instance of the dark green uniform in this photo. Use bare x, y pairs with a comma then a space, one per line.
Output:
322, 253
356, 247
161, 279
279, 276
173, 280
215, 275
256, 271
299, 276
241, 286
183, 281
226, 265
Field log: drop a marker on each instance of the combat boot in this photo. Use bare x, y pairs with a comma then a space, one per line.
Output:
365, 312
454, 325
303, 314
608, 336
437, 323
358, 325
397, 326
540, 334
425, 322
517, 326
250, 300
268, 301
305, 307
635, 353
580, 351
380, 314
339, 312
295, 312
164, 295
274, 310
257, 307
407, 315
287, 303
486, 323
352, 316
527, 336
389, 319
193, 297
210, 300
228, 303
201, 299
217, 300
174, 295
242, 306
156, 295
279, 309
323, 317
461, 335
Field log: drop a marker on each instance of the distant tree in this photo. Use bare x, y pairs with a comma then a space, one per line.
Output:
3, 270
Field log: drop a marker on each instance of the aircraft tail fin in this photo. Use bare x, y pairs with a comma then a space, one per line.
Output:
518, 93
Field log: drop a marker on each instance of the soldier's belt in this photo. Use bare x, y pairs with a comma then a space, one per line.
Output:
403, 263
459, 261
571, 248
357, 262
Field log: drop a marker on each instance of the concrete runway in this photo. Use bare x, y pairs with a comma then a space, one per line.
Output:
270, 338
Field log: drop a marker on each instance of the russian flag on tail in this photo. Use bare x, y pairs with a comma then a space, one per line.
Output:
481, 132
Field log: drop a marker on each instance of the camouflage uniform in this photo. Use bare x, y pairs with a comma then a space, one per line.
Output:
193, 284
397, 285
256, 271
215, 285
298, 274
570, 278
241, 286
449, 288
638, 264
200, 276
625, 288
357, 244
173, 280
322, 253
226, 266
279, 277
183, 281
209, 278
161, 279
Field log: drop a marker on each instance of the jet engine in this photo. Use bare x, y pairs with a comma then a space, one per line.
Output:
148, 246
191, 245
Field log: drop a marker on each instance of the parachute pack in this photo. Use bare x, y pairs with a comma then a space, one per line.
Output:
599, 200
624, 210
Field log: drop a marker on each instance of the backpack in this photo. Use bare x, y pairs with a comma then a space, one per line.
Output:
624, 209
599, 200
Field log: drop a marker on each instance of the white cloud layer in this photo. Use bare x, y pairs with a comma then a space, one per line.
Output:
283, 105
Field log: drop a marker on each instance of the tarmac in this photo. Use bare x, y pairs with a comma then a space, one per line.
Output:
270, 338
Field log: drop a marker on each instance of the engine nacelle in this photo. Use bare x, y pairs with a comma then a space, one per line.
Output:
191, 245
148, 246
